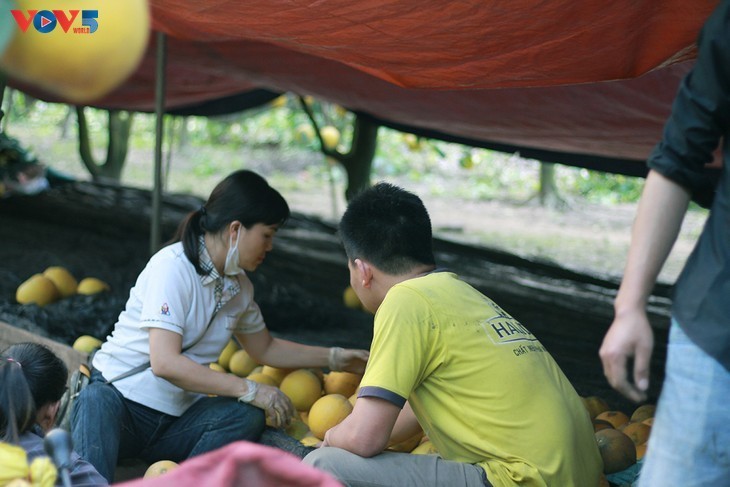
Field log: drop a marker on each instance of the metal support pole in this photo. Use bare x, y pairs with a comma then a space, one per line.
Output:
3, 84
156, 217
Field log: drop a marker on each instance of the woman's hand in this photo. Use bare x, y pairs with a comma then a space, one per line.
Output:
348, 360
278, 407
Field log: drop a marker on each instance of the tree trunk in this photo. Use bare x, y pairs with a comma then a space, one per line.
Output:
358, 162
548, 194
119, 127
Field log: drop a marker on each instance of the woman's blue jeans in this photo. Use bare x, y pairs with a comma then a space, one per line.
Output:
106, 427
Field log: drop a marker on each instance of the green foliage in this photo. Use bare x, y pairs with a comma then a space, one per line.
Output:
282, 128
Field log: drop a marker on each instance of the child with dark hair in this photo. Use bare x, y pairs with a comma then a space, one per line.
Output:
448, 361
32, 381
187, 303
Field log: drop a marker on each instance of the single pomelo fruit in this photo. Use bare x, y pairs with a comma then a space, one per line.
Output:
617, 450
302, 387
407, 445
595, 405
645, 411
600, 424
327, 412
350, 299
275, 372
297, 429
86, 344
616, 418
224, 359
425, 448
65, 282
330, 136
310, 441
241, 363
638, 432
345, 383
159, 468
38, 289
262, 379
79, 67
92, 285
217, 367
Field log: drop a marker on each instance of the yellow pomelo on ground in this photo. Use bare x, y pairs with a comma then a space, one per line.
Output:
350, 299
303, 387
224, 359
262, 379
217, 367
86, 344
408, 444
425, 448
616, 418
241, 363
37, 289
638, 432
92, 285
595, 405
159, 468
65, 282
330, 136
617, 450
327, 412
79, 67
297, 429
310, 441
345, 383
277, 373
645, 411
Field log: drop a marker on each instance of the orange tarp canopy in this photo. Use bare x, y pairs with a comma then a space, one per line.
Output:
588, 83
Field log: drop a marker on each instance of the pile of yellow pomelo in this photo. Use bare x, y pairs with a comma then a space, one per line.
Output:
56, 283
622, 438
323, 399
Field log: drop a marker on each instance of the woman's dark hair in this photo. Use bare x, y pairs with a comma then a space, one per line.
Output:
389, 227
242, 196
31, 376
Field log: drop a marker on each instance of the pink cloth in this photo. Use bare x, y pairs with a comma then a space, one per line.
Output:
238, 464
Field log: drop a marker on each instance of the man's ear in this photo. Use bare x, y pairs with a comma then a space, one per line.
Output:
364, 272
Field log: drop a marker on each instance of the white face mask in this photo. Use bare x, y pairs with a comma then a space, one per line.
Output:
232, 266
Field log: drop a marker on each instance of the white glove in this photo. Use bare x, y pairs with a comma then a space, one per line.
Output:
348, 360
277, 406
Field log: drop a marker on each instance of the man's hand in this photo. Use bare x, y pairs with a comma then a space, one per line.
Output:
630, 335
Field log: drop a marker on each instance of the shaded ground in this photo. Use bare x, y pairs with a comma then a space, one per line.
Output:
103, 232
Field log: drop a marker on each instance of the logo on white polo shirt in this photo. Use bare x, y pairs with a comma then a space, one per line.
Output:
165, 309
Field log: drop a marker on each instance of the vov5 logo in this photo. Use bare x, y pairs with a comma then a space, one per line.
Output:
46, 21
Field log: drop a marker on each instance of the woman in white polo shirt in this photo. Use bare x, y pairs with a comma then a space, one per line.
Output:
189, 300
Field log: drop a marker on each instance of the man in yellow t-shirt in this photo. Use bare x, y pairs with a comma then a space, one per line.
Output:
446, 359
